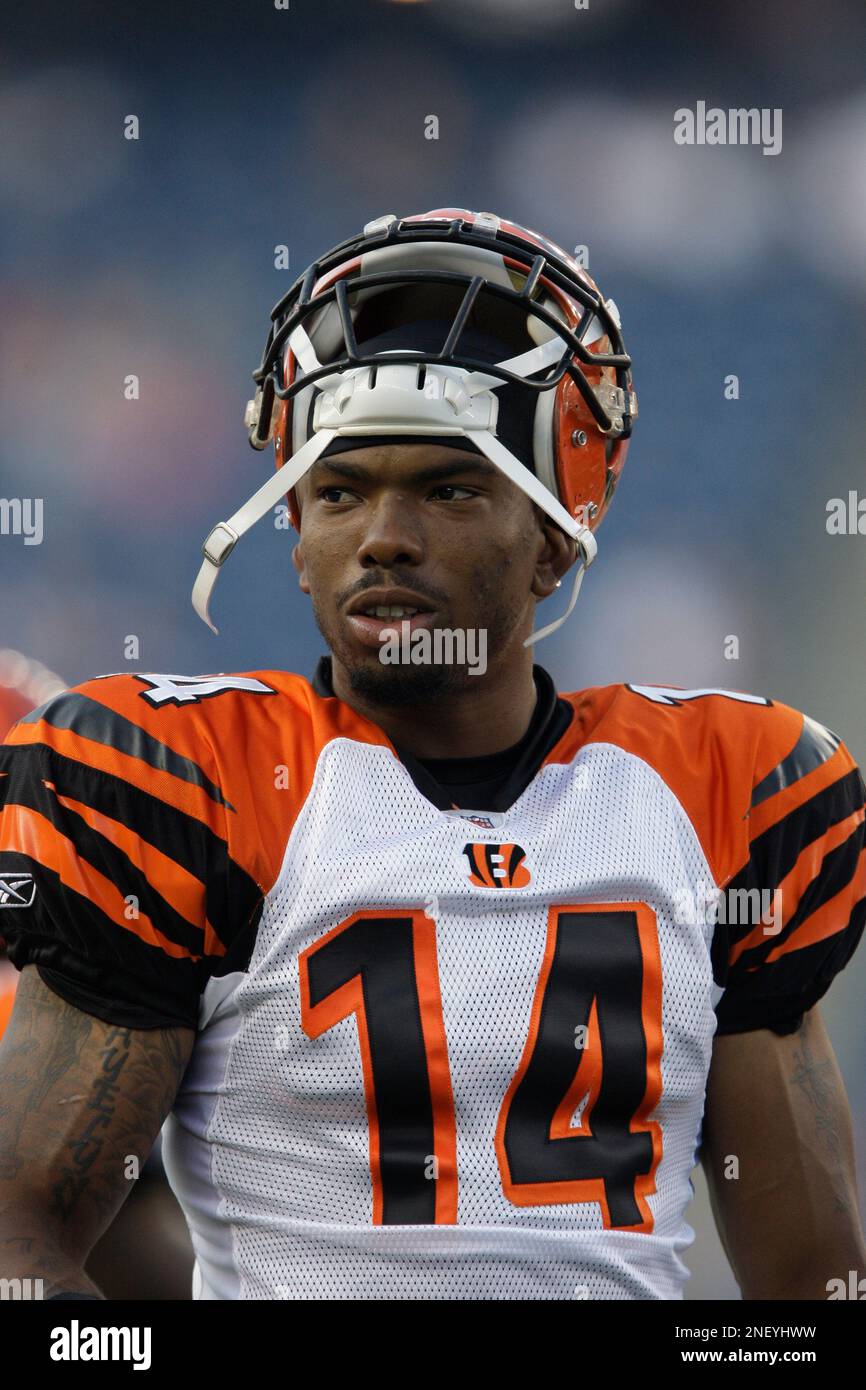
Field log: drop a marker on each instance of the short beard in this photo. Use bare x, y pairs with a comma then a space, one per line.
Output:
403, 686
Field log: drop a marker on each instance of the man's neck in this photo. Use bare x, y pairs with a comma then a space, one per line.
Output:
483, 717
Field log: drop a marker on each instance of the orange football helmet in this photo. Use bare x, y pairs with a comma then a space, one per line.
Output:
451, 325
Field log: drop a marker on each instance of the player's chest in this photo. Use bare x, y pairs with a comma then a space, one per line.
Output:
601, 828
476, 989
586, 894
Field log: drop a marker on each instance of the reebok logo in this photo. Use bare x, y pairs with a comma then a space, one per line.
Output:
17, 890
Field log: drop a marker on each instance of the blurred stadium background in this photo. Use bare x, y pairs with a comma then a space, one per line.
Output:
262, 126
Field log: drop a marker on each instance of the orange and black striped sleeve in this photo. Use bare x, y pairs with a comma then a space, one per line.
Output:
116, 876
791, 915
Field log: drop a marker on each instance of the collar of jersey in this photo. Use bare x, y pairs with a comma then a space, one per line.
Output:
551, 718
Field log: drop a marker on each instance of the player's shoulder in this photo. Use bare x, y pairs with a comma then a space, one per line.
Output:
232, 752
141, 715
637, 717
221, 708
732, 758
220, 736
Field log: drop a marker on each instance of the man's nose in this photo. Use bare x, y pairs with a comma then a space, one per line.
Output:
391, 536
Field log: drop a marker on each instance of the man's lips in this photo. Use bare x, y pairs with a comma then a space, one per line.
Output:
388, 596
369, 630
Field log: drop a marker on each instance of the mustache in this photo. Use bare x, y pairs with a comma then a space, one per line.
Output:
394, 580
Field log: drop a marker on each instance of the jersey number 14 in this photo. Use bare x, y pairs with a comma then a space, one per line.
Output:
594, 1046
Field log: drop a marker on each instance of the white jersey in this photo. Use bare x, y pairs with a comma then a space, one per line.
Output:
442, 1054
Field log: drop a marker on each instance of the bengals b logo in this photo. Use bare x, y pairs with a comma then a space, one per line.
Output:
496, 866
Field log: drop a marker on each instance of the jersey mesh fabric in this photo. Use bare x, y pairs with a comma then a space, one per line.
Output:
275, 1121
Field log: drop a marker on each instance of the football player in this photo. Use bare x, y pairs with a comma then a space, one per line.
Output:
444, 978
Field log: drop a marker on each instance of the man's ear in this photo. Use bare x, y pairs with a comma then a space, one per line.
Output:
556, 557
298, 562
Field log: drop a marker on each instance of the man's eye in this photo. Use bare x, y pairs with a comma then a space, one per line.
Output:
323, 493
454, 487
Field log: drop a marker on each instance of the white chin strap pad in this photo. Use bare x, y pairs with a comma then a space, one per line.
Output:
226, 534
452, 401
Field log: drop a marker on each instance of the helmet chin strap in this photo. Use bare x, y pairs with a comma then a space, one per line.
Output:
522, 478
354, 408
226, 534
578, 580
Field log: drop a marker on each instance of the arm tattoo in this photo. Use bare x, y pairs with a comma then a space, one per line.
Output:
816, 1079
85, 1147
33, 1064
126, 1102
81, 1104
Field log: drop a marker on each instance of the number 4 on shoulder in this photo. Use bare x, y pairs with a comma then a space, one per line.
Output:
185, 690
